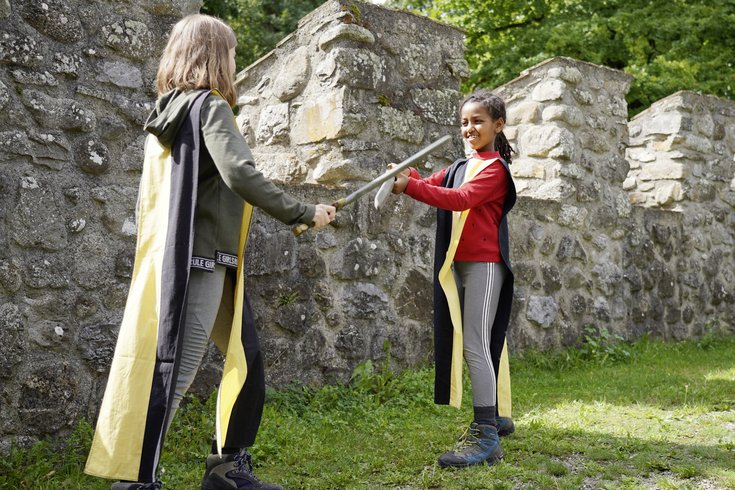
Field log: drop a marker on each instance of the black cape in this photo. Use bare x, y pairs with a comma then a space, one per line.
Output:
443, 329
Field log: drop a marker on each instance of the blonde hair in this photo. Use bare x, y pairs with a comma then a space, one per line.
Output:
197, 57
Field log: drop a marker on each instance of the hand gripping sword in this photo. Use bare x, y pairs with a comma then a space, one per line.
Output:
299, 229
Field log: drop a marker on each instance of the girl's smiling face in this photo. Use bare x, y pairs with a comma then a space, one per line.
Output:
479, 129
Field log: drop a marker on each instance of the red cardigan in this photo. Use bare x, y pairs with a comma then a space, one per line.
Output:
484, 195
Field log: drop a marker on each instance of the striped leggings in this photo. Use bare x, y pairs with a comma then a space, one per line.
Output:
479, 285
209, 312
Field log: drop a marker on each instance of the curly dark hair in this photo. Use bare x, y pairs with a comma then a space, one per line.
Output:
496, 108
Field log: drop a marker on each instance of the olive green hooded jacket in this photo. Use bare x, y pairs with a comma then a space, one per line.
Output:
227, 173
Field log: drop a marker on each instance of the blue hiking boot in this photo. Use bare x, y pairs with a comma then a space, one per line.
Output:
479, 444
505, 426
233, 472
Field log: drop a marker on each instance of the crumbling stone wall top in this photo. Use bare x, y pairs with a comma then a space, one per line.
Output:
681, 153
355, 86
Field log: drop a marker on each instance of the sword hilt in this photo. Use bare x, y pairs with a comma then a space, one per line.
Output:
302, 227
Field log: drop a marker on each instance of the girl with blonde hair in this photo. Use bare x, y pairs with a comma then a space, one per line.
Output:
197, 192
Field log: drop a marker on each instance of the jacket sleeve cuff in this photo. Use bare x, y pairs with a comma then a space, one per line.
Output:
308, 215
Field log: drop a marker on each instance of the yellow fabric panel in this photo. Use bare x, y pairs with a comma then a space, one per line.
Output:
449, 286
504, 404
236, 368
118, 440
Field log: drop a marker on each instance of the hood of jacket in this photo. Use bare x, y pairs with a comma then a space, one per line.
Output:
168, 116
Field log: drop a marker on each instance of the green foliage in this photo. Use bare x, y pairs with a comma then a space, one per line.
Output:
384, 100
356, 13
666, 45
601, 347
381, 382
288, 298
597, 346
713, 335
259, 24
49, 466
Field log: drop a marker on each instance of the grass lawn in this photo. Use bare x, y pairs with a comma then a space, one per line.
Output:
642, 416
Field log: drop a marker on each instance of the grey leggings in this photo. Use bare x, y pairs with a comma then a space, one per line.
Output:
479, 285
209, 311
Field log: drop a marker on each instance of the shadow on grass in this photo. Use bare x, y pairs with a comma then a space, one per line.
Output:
535, 454
537, 457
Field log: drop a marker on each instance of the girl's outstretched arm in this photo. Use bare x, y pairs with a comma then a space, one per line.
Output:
402, 179
487, 185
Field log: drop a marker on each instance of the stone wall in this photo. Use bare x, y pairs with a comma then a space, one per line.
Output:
355, 87
680, 154
568, 122
76, 84
586, 252
680, 265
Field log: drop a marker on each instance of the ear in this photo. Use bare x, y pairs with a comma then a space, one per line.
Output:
499, 125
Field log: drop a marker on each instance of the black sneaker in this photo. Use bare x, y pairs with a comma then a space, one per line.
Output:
134, 485
505, 426
233, 472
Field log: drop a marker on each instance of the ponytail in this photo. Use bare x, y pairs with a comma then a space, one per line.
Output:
503, 147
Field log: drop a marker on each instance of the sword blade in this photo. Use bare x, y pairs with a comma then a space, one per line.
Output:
376, 182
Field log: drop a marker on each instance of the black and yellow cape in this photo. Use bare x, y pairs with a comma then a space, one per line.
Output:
447, 312
137, 402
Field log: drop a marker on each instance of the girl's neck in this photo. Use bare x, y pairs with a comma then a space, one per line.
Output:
486, 155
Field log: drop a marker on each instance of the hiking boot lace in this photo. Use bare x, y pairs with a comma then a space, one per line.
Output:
468, 438
244, 464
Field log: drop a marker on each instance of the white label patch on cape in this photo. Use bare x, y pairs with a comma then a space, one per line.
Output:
202, 263
228, 260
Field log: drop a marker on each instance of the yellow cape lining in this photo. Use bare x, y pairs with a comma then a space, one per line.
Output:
122, 419
236, 368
